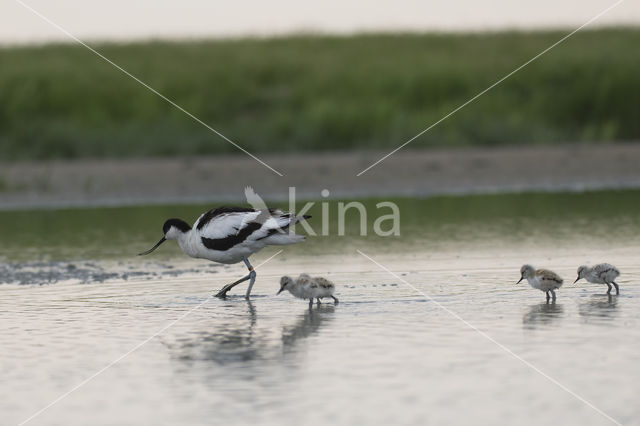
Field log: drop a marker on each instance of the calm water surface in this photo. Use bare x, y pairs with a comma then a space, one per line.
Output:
386, 354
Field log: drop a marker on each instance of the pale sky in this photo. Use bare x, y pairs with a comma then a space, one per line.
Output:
136, 19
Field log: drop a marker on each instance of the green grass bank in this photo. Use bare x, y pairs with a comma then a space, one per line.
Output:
308, 93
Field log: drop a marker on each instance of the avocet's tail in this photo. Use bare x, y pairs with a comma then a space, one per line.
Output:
301, 218
283, 235
284, 239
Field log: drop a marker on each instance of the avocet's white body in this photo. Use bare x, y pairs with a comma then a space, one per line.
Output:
232, 234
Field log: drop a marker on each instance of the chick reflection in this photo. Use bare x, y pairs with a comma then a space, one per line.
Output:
599, 306
542, 314
306, 325
247, 339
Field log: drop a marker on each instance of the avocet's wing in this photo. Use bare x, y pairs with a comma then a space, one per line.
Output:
254, 199
258, 204
227, 227
603, 270
224, 221
549, 275
324, 283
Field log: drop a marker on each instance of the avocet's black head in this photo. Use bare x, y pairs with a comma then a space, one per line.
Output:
171, 229
179, 227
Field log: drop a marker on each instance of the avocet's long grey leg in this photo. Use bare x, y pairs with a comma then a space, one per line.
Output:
335, 299
223, 292
311, 303
547, 293
616, 286
553, 295
609, 285
251, 276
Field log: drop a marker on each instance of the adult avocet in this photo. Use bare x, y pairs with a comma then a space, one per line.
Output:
603, 273
230, 235
542, 279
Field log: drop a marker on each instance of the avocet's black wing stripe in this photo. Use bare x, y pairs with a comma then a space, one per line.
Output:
211, 214
282, 223
271, 232
227, 224
222, 244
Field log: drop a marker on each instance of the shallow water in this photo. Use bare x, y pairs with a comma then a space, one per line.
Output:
142, 341
434, 224
384, 354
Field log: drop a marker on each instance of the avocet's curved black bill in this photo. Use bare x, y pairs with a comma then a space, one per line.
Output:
162, 240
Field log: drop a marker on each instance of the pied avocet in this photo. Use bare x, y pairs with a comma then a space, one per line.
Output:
230, 235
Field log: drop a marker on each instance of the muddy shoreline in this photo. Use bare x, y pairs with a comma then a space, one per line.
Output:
216, 179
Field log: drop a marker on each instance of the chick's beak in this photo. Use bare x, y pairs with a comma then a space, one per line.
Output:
577, 279
280, 291
521, 278
162, 240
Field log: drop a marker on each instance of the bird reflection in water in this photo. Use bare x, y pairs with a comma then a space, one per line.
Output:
306, 325
223, 342
246, 339
599, 306
542, 314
